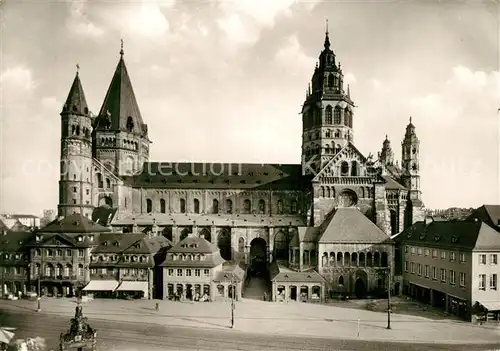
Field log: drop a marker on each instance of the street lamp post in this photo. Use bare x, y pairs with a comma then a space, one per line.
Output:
389, 299
3, 281
232, 285
38, 297
232, 302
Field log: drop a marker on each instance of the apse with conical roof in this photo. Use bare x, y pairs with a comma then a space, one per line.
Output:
121, 137
327, 111
75, 183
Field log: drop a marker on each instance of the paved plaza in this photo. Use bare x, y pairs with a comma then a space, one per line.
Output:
251, 316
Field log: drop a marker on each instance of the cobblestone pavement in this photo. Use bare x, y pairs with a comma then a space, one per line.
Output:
115, 335
252, 316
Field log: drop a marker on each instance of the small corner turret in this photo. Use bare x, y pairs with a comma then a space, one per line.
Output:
386, 155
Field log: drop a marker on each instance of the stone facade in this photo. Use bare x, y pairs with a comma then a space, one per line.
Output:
241, 203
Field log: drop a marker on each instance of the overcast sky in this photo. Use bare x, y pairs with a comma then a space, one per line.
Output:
225, 81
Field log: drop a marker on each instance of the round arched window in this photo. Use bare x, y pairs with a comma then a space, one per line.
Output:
348, 198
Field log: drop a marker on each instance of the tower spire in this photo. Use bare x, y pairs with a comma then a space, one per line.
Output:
76, 102
77, 68
327, 38
121, 50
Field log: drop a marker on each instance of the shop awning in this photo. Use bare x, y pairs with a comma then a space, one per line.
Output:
101, 285
491, 305
133, 286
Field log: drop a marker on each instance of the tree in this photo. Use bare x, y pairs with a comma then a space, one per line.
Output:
48, 216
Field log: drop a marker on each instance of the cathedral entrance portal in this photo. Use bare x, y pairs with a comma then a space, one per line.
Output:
224, 244
257, 284
258, 258
359, 288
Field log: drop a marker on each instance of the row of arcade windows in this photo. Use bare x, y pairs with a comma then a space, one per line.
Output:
332, 116
247, 206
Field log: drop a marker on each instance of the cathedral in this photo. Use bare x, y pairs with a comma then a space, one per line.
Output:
322, 227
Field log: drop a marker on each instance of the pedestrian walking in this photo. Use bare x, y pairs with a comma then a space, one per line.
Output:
157, 307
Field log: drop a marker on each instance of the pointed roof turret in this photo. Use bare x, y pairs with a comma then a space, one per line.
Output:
387, 155
410, 130
327, 38
76, 102
387, 142
120, 111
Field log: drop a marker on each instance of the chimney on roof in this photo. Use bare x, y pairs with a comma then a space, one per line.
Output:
135, 227
428, 220
154, 228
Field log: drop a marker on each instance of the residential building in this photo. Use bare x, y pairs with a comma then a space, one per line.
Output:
190, 271
60, 254
14, 262
489, 214
450, 264
74, 254
124, 265
27, 220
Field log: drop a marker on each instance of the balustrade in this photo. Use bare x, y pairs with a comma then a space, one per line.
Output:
347, 180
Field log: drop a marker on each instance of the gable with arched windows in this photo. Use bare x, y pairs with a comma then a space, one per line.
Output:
344, 168
354, 169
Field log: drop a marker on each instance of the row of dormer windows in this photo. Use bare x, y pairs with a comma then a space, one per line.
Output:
188, 272
79, 238
115, 258
11, 256
188, 257
113, 270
